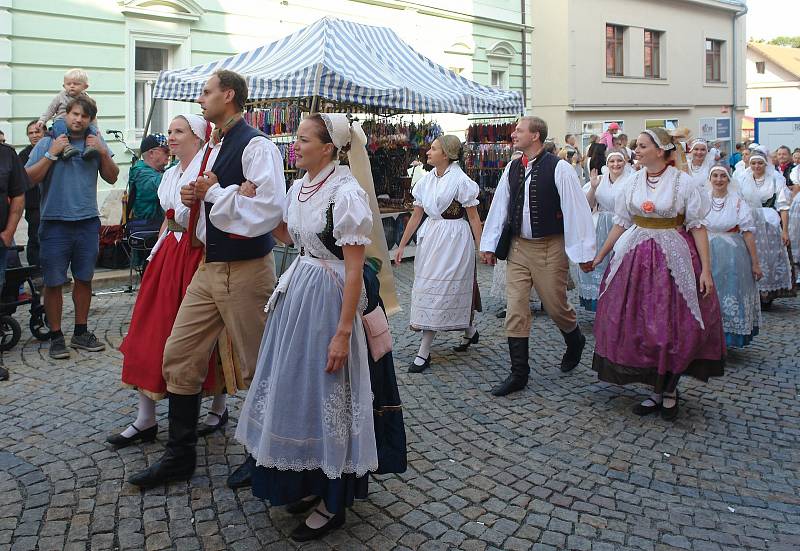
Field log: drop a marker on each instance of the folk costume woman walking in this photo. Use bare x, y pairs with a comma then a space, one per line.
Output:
658, 317
307, 420
600, 193
734, 260
173, 262
445, 293
765, 191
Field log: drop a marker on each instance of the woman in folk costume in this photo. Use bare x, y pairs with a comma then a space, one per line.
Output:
699, 161
173, 262
600, 192
794, 214
307, 419
658, 316
734, 260
765, 191
445, 293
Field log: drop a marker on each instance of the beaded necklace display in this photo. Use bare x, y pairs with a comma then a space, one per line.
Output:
717, 205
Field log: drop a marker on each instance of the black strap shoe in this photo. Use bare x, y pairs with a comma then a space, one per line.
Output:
147, 435
575, 344
205, 429
669, 414
466, 342
242, 477
3, 373
414, 368
643, 409
305, 533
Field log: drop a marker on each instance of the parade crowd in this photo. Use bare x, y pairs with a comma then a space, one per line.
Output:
673, 247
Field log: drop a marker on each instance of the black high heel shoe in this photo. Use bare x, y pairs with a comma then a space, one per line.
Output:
146, 435
414, 368
205, 429
304, 533
465, 343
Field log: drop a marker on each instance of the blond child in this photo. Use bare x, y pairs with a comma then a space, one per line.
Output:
76, 81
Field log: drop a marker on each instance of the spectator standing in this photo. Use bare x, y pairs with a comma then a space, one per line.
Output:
33, 196
144, 179
13, 183
785, 164
70, 220
607, 137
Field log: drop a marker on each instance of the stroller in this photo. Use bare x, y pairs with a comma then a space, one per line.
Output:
12, 298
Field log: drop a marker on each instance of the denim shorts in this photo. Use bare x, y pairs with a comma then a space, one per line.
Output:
73, 244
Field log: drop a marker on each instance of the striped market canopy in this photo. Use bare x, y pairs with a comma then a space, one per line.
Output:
346, 63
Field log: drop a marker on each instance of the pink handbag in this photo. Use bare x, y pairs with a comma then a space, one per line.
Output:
376, 328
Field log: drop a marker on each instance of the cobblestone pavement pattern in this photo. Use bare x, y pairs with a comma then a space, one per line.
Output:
562, 465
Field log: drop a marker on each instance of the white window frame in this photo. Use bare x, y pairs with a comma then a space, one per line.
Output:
179, 55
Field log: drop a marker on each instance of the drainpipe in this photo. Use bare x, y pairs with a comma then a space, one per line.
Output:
735, 87
524, 58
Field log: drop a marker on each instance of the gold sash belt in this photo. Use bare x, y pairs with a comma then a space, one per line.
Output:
659, 223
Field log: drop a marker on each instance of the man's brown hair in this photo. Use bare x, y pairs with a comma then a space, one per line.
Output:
230, 80
87, 105
535, 124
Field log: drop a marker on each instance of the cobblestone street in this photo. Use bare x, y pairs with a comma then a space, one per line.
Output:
561, 465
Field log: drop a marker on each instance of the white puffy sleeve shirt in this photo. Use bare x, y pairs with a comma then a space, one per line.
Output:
352, 217
579, 233
231, 212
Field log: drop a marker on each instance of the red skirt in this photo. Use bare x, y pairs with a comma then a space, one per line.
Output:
163, 287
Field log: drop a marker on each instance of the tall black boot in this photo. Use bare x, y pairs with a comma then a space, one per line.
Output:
518, 379
575, 343
180, 457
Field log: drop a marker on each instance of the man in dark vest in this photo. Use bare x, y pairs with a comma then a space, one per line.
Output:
232, 285
539, 207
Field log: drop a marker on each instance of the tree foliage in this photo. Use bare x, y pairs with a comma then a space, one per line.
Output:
793, 41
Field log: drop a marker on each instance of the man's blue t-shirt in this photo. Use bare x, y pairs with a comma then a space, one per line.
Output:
69, 191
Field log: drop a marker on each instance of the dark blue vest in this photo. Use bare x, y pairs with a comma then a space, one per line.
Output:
222, 246
544, 201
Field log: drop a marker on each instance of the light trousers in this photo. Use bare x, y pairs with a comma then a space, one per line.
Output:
222, 295
541, 264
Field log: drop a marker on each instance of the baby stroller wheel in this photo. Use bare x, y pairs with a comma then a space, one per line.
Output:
10, 333
38, 323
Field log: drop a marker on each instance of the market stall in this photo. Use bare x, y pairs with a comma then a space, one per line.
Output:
341, 66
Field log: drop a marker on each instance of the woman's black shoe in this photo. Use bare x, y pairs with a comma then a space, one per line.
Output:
465, 342
669, 414
301, 506
642, 410
420, 368
501, 314
204, 429
146, 435
304, 533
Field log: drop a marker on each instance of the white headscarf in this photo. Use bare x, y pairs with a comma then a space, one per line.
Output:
200, 126
342, 133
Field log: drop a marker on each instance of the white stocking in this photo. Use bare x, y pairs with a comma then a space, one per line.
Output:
218, 406
653, 400
425, 347
146, 417
316, 520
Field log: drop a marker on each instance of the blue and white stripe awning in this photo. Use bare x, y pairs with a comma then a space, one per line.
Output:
348, 63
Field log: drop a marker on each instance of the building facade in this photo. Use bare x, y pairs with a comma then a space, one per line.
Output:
675, 63
773, 81
123, 44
